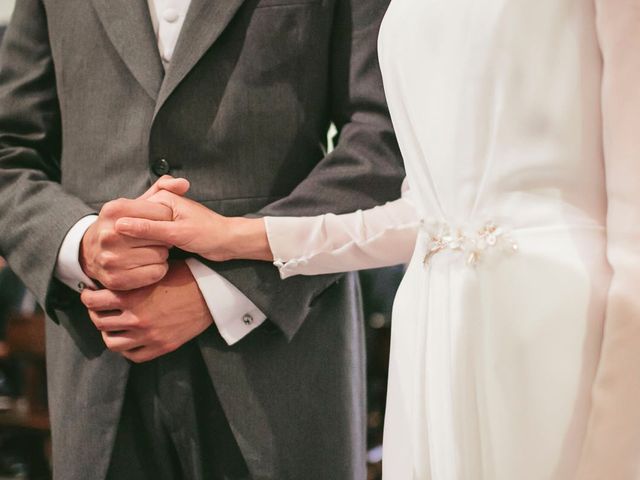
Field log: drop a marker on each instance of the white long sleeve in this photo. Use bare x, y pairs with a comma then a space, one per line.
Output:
378, 237
234, 314
68, 269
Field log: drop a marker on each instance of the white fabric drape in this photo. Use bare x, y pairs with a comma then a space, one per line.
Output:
498, 324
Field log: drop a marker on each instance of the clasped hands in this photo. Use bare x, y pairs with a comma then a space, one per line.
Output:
149, 305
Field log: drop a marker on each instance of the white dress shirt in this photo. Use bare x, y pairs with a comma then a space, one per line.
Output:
234, 314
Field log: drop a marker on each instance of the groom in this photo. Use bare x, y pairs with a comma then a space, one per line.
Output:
215, 371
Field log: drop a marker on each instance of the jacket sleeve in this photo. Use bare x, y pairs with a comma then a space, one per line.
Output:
364, 170
612, 446
35, 212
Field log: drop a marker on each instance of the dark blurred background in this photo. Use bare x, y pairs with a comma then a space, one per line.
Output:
24, 426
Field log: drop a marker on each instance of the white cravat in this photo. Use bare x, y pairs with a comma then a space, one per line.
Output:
234, 314
168, 17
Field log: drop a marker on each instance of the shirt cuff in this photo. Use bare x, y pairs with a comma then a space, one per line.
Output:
68, 269
234, 314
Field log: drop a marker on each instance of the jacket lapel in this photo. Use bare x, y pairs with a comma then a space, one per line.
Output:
128, 26
205, 22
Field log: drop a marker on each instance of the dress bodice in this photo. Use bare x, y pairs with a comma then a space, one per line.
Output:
496, 108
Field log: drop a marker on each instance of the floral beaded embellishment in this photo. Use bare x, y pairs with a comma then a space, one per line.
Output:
489, 237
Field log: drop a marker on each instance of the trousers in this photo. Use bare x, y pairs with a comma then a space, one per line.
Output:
173, 426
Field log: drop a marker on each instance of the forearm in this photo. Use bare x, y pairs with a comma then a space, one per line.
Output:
378, 237
36, 211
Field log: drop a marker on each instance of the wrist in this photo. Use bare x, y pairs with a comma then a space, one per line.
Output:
180, 274
249, 239
84, 255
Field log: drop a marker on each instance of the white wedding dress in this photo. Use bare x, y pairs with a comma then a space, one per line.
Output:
498, 323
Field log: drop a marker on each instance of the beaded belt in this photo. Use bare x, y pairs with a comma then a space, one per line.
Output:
474, 242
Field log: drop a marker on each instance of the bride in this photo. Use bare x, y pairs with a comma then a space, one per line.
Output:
514, 350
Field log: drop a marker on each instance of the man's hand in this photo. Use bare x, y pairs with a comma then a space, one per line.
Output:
196, 229
147, 323
119, 262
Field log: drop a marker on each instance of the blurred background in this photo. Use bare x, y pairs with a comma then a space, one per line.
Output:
24, 425
6, 7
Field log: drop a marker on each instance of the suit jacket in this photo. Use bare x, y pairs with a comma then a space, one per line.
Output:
87, 115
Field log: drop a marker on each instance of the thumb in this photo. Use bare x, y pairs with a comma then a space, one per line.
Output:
157, 231
178, 186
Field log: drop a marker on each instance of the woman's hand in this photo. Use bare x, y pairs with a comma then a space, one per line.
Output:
198, 230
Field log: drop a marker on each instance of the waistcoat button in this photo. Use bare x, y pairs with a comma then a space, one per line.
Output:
161, 167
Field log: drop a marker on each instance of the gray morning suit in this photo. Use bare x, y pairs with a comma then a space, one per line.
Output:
87, 114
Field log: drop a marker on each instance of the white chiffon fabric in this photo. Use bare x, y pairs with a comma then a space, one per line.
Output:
330, 243
498, 323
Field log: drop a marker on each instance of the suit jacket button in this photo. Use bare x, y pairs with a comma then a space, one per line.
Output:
161, 167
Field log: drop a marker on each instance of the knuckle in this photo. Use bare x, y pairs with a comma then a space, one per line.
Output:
106, 260
114, 281
140, 322
156, 273
97, 321
168, 210
163, 254
107, 341
87, 300
161, 271
107, 209
106, 280
172, 236
117, 302
107, 237
99, 260
112, 208
133, 322
153, 338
